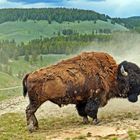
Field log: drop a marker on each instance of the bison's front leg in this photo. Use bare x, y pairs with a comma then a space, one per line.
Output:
81, 111
91, 109
31, 118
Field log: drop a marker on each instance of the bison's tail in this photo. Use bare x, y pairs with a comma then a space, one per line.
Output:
24, 83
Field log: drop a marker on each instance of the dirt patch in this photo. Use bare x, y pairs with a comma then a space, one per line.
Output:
90, 133
106, 130
118, 117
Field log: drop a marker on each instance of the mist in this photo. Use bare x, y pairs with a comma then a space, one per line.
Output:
123, 46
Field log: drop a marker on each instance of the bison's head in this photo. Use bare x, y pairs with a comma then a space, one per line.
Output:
129, 80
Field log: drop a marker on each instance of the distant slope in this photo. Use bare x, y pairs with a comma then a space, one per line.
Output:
7, 81
23, 66
25, 31
132, 23
27, 24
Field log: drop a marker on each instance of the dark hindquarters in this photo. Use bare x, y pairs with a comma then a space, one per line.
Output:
81, 111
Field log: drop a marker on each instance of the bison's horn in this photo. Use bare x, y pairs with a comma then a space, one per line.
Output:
123, 72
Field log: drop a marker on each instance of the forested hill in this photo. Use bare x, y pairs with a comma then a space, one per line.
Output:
51, 14
132, 23
63, 14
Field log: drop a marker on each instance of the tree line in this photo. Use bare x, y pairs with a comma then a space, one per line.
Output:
54, 45
50, 14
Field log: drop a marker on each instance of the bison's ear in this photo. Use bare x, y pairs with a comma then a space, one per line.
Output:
123, 72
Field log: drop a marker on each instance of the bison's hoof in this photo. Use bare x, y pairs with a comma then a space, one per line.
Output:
32, 128
96, 121
85, 120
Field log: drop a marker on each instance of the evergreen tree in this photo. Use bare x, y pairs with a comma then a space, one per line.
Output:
26, 57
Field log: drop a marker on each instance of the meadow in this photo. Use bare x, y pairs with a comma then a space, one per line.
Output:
26, 31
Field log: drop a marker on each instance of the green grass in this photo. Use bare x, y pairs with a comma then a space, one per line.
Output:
133, 135
25, 31
13, 126
10, 93
7, 81
24, 66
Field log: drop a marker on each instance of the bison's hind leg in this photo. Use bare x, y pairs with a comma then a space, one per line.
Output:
30, 116
91, 109
81, 111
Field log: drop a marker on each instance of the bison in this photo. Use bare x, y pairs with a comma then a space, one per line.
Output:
88, 80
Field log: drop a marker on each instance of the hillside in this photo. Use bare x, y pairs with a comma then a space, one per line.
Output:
132, 23
25, 31
24, 25
7, 81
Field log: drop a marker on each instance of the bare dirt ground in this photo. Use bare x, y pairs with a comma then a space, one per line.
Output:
118, 117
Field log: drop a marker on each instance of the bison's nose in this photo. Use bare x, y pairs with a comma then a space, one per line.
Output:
133, 98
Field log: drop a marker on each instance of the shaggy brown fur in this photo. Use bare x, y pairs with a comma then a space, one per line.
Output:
73, 81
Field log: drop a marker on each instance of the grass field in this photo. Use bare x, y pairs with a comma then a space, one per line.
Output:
7, 81
25, 31
24, 66
17, 129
